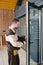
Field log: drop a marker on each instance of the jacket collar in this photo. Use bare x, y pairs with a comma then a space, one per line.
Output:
12, 29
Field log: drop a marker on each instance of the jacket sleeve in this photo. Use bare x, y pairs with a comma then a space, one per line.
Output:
13, 40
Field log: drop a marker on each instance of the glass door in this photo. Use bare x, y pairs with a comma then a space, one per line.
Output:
33, 35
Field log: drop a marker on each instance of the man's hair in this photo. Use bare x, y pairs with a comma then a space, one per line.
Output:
15, 20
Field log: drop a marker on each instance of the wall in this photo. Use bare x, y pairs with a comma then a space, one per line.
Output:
6, 17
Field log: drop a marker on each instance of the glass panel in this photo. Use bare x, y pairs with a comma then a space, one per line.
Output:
34, 36
22, 31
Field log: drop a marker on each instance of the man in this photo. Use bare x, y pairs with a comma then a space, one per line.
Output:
14, 42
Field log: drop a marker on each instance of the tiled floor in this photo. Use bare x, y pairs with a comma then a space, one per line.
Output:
32, 62
4, 56
22, 55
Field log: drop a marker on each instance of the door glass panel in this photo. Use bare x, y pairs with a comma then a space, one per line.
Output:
34, 36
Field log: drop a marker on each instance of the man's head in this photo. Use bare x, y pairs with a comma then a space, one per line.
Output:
15, 23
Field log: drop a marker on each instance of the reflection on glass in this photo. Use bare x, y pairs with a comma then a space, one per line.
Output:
34, 36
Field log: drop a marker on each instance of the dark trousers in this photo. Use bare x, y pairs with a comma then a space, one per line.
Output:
13, 60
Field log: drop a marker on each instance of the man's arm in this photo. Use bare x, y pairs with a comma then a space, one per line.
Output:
12, 40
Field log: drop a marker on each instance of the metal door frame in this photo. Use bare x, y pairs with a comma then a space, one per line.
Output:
41, 33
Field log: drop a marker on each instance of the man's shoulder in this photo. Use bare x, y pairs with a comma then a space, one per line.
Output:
9, 32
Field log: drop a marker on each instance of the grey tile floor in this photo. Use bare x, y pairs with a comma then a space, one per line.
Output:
4, 56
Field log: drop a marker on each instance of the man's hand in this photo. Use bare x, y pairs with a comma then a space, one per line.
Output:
24, 42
